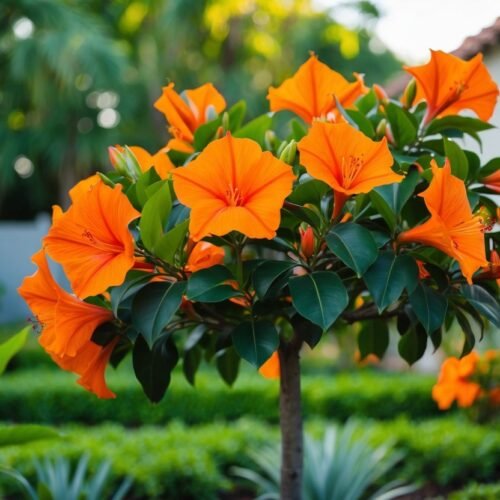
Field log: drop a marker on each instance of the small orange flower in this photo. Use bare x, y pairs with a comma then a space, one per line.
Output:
271, 368
233, 186
422, 271
449, 85
204, 255
67, 327
92, 241
311, 92
159, 161
186, 115
492, 181
451, 228
454, 384
346, 160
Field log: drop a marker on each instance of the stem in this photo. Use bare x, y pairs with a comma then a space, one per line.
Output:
291, 420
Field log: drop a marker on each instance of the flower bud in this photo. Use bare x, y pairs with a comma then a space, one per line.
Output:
124, 162
381, 94
225, 121
381, 128
270, 140
409, 94
288, 154
307, 241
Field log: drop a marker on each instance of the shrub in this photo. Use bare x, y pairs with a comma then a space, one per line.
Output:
24, 398
478, 492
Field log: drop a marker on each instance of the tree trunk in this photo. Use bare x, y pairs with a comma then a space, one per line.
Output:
291, 421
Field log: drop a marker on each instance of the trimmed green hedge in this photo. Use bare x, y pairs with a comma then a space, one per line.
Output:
478, 492
53, 397
177, 461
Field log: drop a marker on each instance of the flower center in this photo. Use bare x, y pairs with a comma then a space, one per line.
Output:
350, 167
234, 197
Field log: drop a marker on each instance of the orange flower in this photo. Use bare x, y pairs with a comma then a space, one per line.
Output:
159, 161
449, 85
453, 383
204, 255
492, 270
271, 368
492, 181
233, 186
311, 92
79, 189
92, 241
186, 115
346, 160
422, 271
451, 228
67, 327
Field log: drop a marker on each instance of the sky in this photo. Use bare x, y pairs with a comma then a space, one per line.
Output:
410, 27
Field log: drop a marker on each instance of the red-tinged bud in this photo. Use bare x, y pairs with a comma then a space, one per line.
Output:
114, 156
381, 128
381, 94
220, 132
307, 241
388, 134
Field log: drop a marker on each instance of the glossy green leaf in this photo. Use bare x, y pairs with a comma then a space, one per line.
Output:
256, 128
154, 215
309, 332
457, 158
429, 306
470, 339
309, 191
169, 244
383, 208
320, 297
373, 338
388, 276
153, 367
210, 285
134, 281
154, 306
363, 124
191, 362
237, 114
255, 341
268, 273
205, 133
228, 364
490, 168
483, 302
403, 126
412, 344
449, 125
12, 346
353, 245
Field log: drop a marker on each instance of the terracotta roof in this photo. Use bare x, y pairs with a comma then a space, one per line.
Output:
485, 40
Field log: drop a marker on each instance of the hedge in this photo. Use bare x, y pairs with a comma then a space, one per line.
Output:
478, 492
43, 396
176, 461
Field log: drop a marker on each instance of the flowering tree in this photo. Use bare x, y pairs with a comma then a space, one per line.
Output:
232, 242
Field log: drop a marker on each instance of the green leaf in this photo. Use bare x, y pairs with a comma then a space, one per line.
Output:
205, 133
191, 362
483, 302
373, 338
210, 285
362, 122
153, 367
309, 191
134, 281
490, 168
412, 344
237, 114
367, 102
458, 160
12, 346
256, 128
309, 332
298, 129
383, 208
168, 245
147, 179
15, 435
470, 339
429, 306
228, 364
255, 341
354, 245
320, 297
268, 273
388, 276
449, 125
154, 216
403, 126
154, 306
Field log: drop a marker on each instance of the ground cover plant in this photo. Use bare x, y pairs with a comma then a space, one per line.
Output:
240, 241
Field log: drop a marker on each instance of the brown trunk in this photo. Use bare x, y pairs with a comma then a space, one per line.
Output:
291, 421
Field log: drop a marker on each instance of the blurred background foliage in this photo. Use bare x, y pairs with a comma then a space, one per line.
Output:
79, 75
